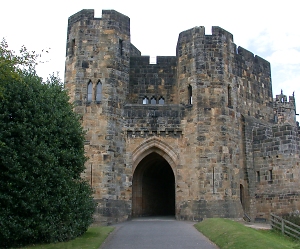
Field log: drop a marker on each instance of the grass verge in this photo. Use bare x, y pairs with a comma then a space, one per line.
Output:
227, 234
92, 239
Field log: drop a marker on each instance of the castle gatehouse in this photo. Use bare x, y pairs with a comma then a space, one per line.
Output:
196, 135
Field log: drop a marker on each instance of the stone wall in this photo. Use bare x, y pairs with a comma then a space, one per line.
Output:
152, 81
276, 165
205, 115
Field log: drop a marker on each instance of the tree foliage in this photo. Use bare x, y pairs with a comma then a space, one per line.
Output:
42, 196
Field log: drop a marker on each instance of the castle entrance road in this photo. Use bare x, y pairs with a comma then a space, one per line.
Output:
156, 233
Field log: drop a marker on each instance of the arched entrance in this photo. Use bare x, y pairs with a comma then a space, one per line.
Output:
153, 190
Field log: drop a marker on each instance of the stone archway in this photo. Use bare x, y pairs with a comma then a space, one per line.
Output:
153, 187
154, 179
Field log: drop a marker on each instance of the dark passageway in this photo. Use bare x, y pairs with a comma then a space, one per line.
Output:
153, 187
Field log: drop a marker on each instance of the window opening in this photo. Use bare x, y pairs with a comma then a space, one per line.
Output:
89, 91
145, 101
121, 47
190, 98
257, 176
99, 91
161, 101
229, 97
73, 47
153, 101
270, 175
242, 194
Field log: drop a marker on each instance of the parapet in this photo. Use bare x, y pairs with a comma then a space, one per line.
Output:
262, 61
245, 53
284, 111
115, 16
281, 99
116, 19
84, 14
188, 34
134, 51
216, 31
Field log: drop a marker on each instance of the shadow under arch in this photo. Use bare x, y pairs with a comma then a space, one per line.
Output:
153, 183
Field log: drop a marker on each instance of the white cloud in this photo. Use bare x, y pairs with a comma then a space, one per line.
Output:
285, 57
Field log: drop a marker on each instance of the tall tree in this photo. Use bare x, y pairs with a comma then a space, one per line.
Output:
42, 196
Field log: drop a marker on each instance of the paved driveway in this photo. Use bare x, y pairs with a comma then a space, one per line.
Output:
156, 233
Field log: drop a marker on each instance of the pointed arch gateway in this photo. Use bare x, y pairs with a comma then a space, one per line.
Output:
154, 178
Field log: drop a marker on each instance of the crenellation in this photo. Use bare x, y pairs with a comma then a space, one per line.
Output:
201, 125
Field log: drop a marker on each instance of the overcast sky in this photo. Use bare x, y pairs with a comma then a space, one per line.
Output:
269, 29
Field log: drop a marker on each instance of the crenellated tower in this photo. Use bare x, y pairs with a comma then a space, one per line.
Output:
195, 135
211, 123
97, 76
284, 111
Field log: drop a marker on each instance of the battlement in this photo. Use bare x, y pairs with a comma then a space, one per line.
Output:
116, 19
113, 18
218, 31
85, 14
284, 111
187, 35
246, 55
199, 31
144, 60
281, 100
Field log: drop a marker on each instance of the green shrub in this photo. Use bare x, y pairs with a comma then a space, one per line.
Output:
293, 217
42, 196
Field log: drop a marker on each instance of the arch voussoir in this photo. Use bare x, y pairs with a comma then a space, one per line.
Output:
158, 146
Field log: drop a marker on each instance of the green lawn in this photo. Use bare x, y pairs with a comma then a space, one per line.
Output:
228, 234
92, 239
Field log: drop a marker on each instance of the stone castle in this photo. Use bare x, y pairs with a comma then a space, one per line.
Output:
195, 135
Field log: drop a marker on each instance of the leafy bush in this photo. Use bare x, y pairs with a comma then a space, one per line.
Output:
293, 217
42, 196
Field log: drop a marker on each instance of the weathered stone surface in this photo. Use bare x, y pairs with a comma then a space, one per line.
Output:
195, 135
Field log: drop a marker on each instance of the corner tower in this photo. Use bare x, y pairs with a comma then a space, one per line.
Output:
211, 125
97, 76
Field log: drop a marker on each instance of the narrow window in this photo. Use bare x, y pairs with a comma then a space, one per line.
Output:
153, 101
99, 91
257, 176
145, 101
73, 47
89, 91
242, 196
161, 101
213, 179
229, 97
121, 47
190, 99
270, 175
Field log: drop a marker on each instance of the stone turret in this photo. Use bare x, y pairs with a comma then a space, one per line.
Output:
97, 77
284, 111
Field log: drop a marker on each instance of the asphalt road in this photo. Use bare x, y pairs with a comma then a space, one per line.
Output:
156, 233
